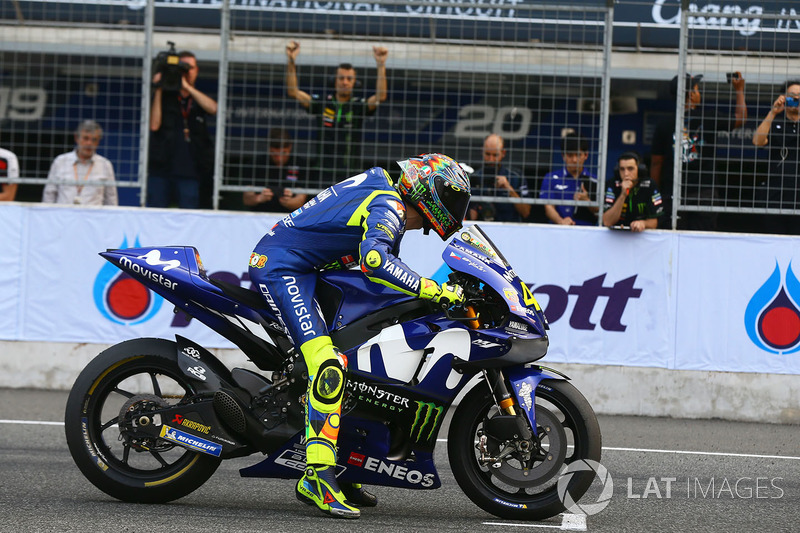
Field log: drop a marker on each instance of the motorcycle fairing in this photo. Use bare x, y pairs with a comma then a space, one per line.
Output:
362, 459
472, 252
348, 295
412, 353
176, 274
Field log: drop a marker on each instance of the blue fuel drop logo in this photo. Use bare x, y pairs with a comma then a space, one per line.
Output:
772, 317
122, 299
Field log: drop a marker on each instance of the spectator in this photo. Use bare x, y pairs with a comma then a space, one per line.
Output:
496, 179
341, 114
71, 174
181, 152
634, 200
572, 182
780, 189
698, 147
9, 170
282, 173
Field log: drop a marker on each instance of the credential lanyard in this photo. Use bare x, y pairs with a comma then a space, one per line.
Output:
186, 107
85, 177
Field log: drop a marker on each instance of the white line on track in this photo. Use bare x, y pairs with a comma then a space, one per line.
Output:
569, 522
688, 452
607, 448
32, 422
691, 452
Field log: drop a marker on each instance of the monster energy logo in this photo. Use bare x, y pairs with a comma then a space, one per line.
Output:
426, 413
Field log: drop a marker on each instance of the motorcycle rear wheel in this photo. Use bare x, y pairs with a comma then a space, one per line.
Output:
568, 431
132, 377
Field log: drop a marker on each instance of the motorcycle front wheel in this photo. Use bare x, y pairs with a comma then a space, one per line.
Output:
120, 385
517, 479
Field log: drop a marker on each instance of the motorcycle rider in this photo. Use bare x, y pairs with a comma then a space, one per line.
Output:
357, 222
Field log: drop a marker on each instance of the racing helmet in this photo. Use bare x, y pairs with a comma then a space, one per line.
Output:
437, 187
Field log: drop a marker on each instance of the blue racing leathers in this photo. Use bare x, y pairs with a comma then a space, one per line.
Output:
359, 221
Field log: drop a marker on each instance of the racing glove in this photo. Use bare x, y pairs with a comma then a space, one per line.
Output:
448, 293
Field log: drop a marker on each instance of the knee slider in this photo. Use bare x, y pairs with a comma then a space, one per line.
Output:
328, 385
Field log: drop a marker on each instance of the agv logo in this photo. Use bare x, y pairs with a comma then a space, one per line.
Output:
772, 317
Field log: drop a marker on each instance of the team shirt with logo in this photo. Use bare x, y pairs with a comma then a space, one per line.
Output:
643, 202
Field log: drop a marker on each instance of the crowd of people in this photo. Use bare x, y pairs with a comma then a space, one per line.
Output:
370, 211
180, 165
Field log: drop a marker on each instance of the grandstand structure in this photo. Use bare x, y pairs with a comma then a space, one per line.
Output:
457, 71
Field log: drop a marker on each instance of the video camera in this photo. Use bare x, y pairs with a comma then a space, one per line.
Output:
172, 69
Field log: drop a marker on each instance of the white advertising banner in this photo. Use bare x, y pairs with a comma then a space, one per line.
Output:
606, 293
66, 282
739, 303
660, 299
11, 264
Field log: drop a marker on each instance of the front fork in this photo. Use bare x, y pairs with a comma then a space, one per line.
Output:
506, 401
507, 427
520, 435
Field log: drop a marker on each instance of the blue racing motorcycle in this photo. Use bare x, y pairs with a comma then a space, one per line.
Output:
150, 420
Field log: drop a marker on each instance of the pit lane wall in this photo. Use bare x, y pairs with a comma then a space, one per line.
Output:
660, 323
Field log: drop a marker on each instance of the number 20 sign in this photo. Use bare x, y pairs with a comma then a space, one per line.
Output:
478, 121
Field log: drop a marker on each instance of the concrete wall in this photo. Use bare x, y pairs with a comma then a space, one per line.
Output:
617, 390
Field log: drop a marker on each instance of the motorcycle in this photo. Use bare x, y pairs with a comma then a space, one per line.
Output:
150, 420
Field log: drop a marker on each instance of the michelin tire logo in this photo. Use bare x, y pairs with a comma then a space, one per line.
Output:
190, 441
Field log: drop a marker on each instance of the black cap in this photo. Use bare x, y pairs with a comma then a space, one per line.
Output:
691, 81
573, 143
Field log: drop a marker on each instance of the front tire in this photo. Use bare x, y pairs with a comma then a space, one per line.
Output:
567, 431
123, 382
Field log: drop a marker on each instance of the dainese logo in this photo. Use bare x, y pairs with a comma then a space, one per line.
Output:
772, 317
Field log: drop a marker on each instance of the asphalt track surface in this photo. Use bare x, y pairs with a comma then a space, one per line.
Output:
668, 475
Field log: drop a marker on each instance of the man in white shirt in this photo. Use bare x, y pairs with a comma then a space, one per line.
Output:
82, 176
9, 169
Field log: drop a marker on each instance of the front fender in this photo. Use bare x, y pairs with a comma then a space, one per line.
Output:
524, 381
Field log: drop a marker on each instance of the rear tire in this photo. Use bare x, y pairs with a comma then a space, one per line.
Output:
568, 431
132, 377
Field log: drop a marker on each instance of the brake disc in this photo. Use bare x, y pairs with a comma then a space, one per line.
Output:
553, 440
134, 414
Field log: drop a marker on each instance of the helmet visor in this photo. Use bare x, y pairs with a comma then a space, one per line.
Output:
456, 201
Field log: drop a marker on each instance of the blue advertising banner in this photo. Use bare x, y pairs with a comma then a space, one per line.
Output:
726, 24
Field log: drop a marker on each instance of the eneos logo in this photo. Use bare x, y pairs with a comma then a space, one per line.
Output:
122, 299
772, 317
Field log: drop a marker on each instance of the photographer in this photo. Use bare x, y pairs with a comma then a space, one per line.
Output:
780, 189
697, 145
181, 151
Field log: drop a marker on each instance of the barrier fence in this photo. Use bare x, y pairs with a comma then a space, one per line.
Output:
455, 72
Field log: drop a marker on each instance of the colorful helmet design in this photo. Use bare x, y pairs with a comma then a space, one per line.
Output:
438, 188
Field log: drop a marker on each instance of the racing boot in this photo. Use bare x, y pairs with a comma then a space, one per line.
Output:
319, 487
356, 494
326, 380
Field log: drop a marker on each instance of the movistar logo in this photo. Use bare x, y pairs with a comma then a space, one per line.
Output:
427, 416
